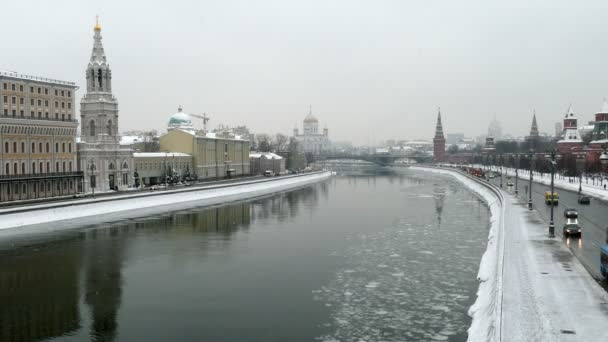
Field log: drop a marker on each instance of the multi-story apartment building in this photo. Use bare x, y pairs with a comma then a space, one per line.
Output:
37, 138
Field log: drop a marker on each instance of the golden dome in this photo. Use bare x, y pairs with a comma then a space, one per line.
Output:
97, 26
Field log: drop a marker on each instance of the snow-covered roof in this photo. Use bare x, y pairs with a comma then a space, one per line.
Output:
130, 139
159, 154
17, 75
267, 155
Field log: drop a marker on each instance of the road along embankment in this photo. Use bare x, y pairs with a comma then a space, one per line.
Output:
141, 204
486, 312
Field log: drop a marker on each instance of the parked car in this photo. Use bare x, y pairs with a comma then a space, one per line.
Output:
267, 173
570, 213
80, 195
551, 199
509, 183
572, 228
604, 261
582, 199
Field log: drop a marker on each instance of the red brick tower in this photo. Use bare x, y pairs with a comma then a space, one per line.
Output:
438, 141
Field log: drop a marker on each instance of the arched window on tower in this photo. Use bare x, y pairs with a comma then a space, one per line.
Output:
92, 128
110, 127
93, 78
99, 78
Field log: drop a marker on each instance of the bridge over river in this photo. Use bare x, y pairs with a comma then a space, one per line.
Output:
383, 159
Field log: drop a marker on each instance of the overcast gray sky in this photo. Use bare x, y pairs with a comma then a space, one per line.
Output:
370, 69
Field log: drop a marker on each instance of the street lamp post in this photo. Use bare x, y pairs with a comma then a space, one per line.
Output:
580, 163
500, 161
92, 179
531, 175
516, 173
553, 167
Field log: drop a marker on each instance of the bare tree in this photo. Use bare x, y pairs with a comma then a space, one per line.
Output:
263, 142
280, 142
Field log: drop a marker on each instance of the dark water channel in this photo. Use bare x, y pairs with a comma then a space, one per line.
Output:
383, 255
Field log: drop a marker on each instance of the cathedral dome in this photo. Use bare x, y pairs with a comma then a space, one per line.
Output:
310, 119
180, 119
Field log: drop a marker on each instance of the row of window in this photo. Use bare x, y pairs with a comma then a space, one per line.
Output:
34, 101
38, 187
161, 165
7, 146
14, 87
59, 167
33, 114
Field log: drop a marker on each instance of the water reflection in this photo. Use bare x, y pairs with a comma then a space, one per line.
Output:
103, 280
42, 294
39, 293
439, 199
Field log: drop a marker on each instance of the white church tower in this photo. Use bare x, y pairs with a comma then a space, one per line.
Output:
105, 164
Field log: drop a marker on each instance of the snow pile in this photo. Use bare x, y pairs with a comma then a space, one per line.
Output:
486, 311
153, 203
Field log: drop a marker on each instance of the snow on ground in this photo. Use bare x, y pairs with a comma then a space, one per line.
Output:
545, 294
595, 191
124, 206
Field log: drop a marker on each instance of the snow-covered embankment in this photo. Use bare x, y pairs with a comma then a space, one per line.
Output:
486, 311
152, 203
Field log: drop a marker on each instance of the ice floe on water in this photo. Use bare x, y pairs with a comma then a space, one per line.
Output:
409, 282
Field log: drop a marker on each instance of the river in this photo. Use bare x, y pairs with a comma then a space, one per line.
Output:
376, 255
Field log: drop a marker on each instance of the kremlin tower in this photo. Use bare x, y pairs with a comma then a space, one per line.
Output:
439, 141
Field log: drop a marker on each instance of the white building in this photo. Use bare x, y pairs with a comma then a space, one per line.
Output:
106, 164
311, 141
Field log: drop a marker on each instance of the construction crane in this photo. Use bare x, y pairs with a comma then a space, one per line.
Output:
203, 117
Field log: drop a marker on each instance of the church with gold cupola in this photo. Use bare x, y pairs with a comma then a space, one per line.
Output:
106, 164
311, 141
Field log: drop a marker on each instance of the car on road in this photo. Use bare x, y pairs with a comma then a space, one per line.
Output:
582, 199
551, 199
268, 173
604, 261
509, 183
570, 213
572, 228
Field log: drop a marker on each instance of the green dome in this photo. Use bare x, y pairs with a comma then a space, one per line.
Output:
180, 119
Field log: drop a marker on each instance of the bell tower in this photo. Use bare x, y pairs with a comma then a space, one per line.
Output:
106, 164
99, 108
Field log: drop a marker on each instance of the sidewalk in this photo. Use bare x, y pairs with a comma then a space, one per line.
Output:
595, 191
547, 293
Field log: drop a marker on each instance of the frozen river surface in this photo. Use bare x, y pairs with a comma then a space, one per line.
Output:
378, 256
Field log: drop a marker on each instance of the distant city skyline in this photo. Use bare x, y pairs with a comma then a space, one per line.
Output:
371, 71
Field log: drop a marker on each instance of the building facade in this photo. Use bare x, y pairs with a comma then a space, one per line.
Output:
439, 141
571, 140
213, 155
311, 141
37, 138
261, 162
106, 164
154, 167
600, 129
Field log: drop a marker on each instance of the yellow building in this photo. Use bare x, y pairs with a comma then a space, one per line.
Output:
37, 138
214, 155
